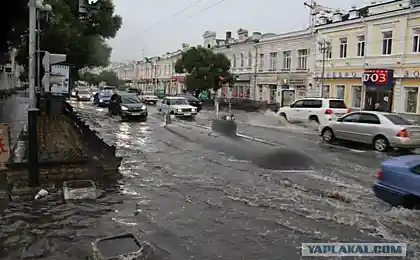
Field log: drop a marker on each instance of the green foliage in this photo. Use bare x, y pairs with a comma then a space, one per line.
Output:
204, 68
109, 77
83, 39
14, 17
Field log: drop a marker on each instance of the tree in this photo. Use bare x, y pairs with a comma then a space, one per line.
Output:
205, 69
13, 23
109, 77
83, 39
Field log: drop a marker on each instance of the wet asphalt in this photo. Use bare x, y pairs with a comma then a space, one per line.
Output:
189, 200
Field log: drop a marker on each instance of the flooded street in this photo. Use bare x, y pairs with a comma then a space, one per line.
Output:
189, 202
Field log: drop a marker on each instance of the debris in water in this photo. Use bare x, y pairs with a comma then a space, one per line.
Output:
41, 193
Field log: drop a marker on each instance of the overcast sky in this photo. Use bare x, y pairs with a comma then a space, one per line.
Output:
154, 27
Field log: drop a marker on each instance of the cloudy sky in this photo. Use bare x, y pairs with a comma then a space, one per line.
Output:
154, 27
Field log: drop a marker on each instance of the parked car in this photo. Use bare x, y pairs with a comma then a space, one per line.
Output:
398, 181
127, 105
102, 98
193, 101
319, 110
149, 99
177, 106
83, 95
382, 130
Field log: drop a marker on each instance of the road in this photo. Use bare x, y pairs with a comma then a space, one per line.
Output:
189, 202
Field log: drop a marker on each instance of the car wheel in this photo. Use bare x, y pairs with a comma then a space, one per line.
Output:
380, 143
313, 119
328, 135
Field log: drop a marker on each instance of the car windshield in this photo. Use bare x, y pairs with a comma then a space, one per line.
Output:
94, 89
106, 94
337, 104
130, 99
179, 101
398, 120
84, 92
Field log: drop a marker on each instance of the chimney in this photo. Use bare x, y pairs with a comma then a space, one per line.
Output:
337, 16
322, 18
241, 34
353, 13
256, 36
228, 35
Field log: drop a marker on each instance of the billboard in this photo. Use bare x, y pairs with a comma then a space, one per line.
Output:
378, 78
60, 80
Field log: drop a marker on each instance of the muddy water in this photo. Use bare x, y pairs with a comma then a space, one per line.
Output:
193, 203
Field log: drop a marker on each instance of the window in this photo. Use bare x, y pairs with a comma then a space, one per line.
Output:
387, 43
343, 47
303, 59
312, 103
328, 54
339, 91
273, 90
261, 61
164, 70
356, 96
337, 104
398, 120
416, 40
287, 59
352, 118
242, 58
411, 95
298, 103
234, 61
366, 118
273, 60
361, 45
249, 59
326, 91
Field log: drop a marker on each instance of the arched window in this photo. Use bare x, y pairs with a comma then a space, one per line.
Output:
233, 61
242, 60
249, 59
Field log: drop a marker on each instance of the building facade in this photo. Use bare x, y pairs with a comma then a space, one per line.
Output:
284, 62
371, 55
157, 74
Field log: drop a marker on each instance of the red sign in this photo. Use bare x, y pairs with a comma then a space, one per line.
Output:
377, 77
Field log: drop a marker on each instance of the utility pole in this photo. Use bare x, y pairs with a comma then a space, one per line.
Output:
324, 46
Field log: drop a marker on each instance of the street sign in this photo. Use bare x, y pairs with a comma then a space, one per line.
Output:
4, 143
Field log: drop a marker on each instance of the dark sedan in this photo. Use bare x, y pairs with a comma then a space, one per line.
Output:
127, 105
102, 98
193, 101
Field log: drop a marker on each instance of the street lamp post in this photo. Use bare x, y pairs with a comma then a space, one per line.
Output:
33, 171
324, 46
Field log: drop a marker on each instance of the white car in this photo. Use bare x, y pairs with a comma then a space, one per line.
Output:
319, 110
177, 106
149, 99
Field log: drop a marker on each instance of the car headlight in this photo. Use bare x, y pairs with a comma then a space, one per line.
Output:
143, 107
179, 110
124, 108
101, 100
193, 109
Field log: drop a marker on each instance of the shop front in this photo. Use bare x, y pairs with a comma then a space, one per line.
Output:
242, 86
379, 89
267, 87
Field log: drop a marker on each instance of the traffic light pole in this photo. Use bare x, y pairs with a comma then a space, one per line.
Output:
33, 165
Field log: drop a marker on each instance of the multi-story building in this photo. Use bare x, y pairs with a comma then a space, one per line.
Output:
241, 53
284, 61
371, 56
157, 74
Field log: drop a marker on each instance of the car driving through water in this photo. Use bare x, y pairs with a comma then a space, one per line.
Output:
127, 105
178, 106
382, 130
103, 97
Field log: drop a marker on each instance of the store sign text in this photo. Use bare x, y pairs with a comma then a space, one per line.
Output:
340, 74
378, 77
412, 74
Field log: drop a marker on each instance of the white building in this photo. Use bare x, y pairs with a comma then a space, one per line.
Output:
284, 61
157, 74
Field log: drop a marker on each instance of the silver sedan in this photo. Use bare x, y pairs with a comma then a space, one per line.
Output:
382, 130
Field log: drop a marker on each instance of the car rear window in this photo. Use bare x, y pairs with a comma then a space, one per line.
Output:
337, 104
398, 120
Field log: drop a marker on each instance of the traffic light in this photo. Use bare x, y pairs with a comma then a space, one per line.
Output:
48, 60
86, 6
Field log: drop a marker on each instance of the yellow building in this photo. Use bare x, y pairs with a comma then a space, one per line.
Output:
371, 55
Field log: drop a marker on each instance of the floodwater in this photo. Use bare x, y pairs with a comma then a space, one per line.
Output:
189, 202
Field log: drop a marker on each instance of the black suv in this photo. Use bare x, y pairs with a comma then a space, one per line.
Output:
193, 101
127, 105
